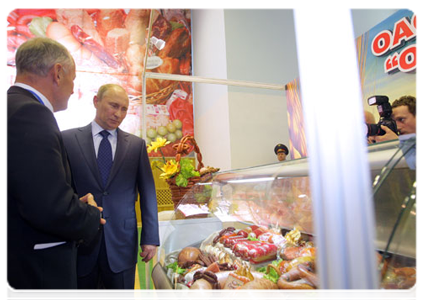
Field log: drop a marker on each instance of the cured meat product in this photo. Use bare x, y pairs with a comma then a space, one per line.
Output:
161, 28
94, 47
243, 233
223, 237
108, 19
257, 232
178, 43
117, 40
63, 35
260, 252
241, 249
80, 17
136, 23
232, 240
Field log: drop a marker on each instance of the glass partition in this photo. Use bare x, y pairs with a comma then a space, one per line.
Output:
273, 202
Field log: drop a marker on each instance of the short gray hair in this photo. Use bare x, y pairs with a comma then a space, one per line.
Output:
38, 55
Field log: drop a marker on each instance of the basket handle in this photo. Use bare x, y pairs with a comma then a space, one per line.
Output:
183, 148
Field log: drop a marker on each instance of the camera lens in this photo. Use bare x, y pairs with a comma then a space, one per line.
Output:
374, 129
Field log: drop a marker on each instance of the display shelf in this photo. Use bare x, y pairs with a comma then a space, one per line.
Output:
277, 199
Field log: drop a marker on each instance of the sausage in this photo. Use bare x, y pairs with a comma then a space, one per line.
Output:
309, 276
258, 289
300, 284
15, 40
405, 271
13, 17
26, 14
201, 289
62, 34
290, 253
97, 49
223, 275
188, 255
25, 19
291, 283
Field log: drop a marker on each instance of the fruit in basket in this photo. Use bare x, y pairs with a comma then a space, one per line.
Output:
171, 137
178, 134
151, 133
162, 130
177, 123
171, 127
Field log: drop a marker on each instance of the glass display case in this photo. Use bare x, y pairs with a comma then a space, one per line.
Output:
253, 227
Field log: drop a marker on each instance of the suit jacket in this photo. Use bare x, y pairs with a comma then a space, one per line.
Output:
41, 204
130, 174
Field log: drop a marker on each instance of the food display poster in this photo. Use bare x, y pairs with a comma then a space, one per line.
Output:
109, 46
296, 126
387, 66
387, 58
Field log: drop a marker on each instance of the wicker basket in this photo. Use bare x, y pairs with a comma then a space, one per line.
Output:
183, 147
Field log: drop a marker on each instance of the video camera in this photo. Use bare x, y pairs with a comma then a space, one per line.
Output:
385, 111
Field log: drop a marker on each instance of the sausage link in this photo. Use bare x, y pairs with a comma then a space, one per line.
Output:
98, 50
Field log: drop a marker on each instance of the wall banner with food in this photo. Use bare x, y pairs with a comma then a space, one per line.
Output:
387, 66
109, 46
294, 110
387, 58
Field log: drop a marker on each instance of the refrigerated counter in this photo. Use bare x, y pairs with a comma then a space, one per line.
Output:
277, 199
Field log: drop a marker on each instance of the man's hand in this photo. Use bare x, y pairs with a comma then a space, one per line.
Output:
148, 252
389, 135
89, 198
371, 140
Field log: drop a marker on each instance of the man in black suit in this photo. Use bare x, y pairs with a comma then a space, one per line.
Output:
46, 220
115, 177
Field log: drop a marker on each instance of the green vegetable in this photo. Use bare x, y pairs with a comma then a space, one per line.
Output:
187, 171
272, 275
174, 266
181, 180
252, 238
277, 262
310, 296
39, 25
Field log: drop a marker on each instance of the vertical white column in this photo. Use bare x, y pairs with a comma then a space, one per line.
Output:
211, 109
339, 171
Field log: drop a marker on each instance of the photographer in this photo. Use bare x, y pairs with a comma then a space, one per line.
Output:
404, 114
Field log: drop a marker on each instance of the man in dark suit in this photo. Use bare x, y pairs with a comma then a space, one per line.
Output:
45, 218
114, 166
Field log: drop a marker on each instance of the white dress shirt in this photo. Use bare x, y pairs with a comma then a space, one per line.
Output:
97, 138
42, 97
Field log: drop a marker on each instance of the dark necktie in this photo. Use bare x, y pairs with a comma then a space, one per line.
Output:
104, 157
